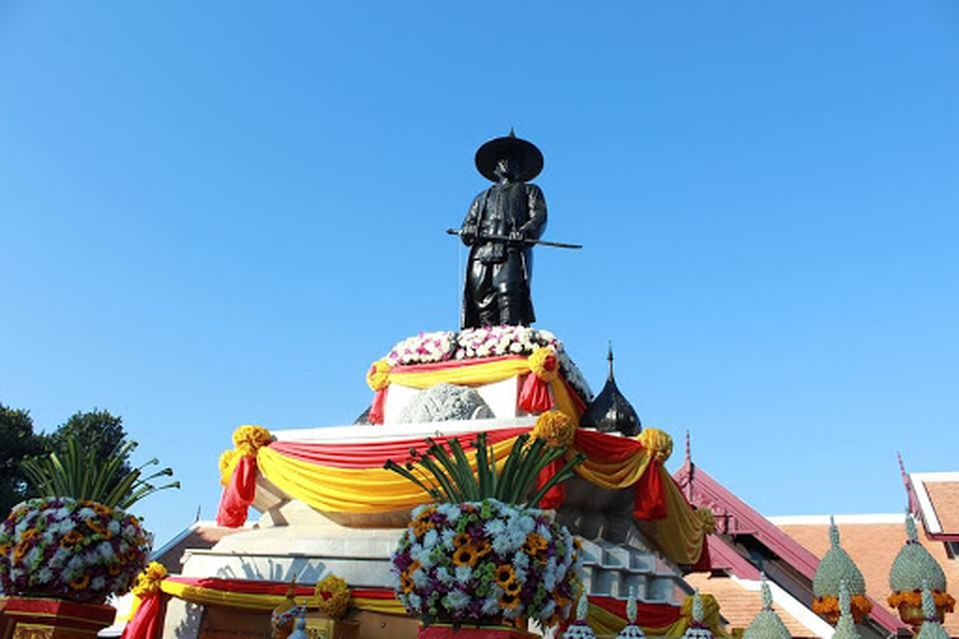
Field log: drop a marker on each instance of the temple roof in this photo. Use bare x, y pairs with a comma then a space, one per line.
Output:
610, 411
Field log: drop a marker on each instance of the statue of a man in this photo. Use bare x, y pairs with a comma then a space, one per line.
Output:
499, 271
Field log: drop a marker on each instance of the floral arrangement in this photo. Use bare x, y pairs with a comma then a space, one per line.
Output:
483, 562
70, 549
424, 348
333, 596
479, 343
148, 582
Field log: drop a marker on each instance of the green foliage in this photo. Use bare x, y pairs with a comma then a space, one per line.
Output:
446, 475
85, 473
17, 441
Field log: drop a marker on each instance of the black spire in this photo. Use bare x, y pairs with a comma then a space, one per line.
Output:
610, 411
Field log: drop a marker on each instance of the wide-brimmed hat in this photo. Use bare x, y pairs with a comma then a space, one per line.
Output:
525, 153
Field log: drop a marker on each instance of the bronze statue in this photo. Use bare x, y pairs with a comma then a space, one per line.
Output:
503, 223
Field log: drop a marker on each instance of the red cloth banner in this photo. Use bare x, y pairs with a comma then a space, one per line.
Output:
238, 494
534, 396
147, 623
378, 407
650, 501
648, 615
374, 454
604, 447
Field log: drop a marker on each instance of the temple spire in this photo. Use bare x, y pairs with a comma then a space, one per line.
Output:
609, 358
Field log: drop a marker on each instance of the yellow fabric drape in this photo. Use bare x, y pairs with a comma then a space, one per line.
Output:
484, 373
612, 475
247, 601
681, 534
357, 490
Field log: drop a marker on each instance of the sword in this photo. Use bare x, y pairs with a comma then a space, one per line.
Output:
506, 238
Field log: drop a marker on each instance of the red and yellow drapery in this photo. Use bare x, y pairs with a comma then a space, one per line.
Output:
350, 478
543, 385
606, 615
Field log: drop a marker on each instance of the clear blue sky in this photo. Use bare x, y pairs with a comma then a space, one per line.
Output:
220, 213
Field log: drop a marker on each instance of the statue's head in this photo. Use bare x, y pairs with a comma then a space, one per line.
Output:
508, 168
509, 157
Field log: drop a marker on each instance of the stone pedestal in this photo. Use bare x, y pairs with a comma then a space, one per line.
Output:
41, 618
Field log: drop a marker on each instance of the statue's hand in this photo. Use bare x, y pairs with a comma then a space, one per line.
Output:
468, 234
517, 236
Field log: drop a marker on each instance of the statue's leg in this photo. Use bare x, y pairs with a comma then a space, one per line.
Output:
511, 291
483, 293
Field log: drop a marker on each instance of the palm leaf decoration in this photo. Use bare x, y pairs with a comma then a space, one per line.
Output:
83, 475
447, 476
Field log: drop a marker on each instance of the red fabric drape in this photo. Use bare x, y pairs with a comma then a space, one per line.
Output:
378, 407
555, 495
534, 395
147, 623
238, 494
650, 500
647, 614
605, 448
374, 454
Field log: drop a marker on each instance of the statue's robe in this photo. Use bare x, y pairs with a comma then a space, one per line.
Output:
498, 272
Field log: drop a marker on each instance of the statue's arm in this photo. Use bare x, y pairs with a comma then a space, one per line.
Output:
471, 224
536, 205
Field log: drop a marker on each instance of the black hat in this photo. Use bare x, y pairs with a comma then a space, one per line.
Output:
530, 158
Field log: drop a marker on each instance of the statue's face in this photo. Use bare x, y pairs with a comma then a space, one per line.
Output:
507, 167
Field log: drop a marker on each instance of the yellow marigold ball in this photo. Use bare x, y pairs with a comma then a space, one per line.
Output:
555, 428
333, 596
227, 463
658, 443
543, 363
378, 377
249, 439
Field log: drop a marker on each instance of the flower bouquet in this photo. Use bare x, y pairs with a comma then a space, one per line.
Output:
62, 554
70, 549
483, 555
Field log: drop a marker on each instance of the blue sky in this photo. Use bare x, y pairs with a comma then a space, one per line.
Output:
220, 214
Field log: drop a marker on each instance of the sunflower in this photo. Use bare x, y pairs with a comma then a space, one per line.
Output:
113, 569
19, 551
535, 544
71, 539
504, 574
421, 527
406, 583
465, 556
461, 540
484, 548
100, 509
513, 587
81, 582
508, 601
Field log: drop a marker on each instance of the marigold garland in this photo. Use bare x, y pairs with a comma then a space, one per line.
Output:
555, 428
333, 596
249, 439
943, 600
658, 443
148, 581
378, 377
228, 460
828, 607
543, 363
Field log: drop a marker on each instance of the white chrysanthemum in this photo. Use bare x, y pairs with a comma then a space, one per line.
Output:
450, 511
547, 610
520, 560
494, 527
45, 576
490, 605
457, 599
444, 575
464, 574
449, 535
414, 601
97, 583
431, 538
424, 556
420, 578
